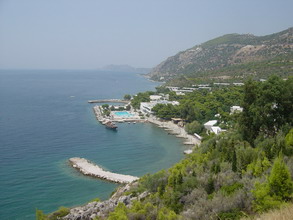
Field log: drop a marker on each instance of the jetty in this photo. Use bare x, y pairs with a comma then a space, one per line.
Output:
108, 100
89, 169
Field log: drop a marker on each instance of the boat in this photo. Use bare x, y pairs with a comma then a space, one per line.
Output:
111, 125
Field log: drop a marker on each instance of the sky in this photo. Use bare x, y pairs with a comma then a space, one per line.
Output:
89, 34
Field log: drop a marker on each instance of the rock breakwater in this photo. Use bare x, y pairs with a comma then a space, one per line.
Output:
88, 168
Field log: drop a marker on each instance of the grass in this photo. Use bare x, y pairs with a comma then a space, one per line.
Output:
284, 213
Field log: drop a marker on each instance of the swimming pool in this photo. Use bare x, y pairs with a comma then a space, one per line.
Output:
123, 114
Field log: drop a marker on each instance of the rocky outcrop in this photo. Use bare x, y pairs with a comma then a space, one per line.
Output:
101, 209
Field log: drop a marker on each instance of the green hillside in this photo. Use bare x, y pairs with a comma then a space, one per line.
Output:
234, 55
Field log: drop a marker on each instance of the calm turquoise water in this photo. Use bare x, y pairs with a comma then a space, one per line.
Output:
123, 114
45, 119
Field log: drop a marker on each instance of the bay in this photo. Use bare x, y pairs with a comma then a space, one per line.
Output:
45, 119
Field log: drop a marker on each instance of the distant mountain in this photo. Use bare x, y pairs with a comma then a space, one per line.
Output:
126, 68
236, 52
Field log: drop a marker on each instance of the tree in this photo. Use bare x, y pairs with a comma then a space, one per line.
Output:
234, 161
166, 214
270, 105
289, 139
141, 97
210, 187
120, 213
276, 190
105, 106
127, 97
194, 127
165, 111
279, 181
249, 128
263, 200
267, 107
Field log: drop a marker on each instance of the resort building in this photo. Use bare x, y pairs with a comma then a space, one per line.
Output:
222, 84
235, 109
204, 87
238, 84
155, 97
172, 88
216, 129
208, 126
146, 107
178, 90
180, 93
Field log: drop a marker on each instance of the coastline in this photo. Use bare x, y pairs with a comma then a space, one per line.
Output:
168, 126
91, 210
63, 127
175, 130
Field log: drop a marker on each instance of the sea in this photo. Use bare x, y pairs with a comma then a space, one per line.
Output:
45, 120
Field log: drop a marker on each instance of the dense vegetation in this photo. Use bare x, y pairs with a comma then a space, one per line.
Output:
201, 105
141, 97
231, 175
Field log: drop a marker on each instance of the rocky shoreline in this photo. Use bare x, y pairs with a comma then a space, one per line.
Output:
94, 210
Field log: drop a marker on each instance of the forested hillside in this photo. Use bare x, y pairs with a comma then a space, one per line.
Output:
245, 171
232, 55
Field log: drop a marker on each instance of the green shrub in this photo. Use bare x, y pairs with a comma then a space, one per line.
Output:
232, 214
40, 215
275, 190
61, 212
95, 200
229, 190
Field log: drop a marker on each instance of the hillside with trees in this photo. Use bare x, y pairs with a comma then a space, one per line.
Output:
232, 56
243, 172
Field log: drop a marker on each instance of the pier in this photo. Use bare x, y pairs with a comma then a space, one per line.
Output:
108, 100
89, 169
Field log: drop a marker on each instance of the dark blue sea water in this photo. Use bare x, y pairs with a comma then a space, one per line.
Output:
42, 126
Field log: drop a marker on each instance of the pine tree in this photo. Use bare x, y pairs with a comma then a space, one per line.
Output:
210, 188
279, 181
234, 161
276, 190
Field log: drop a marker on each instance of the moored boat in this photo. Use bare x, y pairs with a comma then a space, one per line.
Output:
111, 125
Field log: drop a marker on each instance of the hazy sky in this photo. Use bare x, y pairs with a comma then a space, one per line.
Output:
87, 34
